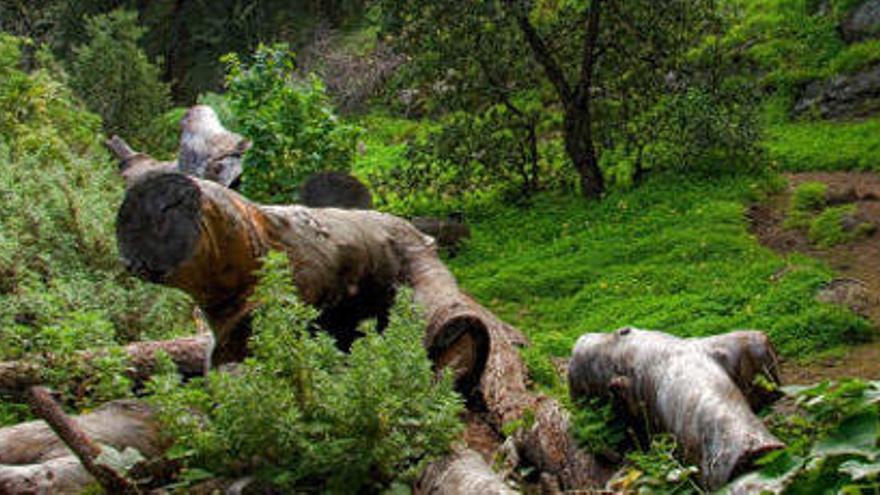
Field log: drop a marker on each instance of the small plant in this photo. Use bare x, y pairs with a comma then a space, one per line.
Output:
809, 197
831, 431
827, 229
597, 427
300, 413
807, 200
291, 123
658, 469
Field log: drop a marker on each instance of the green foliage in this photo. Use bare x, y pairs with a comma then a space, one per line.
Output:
597, 427
290, 122
658, 470
806, 146
810, 197
114, 77
675, 255
695, 132
302, 414
832, 433
827, 229
61, 286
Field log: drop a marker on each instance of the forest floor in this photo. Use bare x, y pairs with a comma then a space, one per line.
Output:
855, 263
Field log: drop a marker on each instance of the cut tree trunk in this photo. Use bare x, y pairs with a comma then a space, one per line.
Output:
699, 390
462, 473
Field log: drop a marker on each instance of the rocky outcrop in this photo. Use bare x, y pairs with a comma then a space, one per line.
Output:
862, 22
843, 96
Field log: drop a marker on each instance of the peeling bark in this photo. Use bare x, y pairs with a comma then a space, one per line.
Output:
696, 389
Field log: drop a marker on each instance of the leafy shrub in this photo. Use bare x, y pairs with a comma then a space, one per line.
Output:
597, 427
827, 230
290, 122
115, 78
695, 132
61, 286
810, 197
832, 436
304, 415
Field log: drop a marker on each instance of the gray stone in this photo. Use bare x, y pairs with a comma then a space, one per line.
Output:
843, 96
862, 22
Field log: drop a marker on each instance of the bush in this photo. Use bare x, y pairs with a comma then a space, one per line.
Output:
826, 230
809, 197
115, 78
302, 414
61, 285
290, 122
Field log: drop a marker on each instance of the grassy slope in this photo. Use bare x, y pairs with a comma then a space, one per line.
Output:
671, 255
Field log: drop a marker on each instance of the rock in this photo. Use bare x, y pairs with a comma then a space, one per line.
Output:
843, 96
335, 189
862, 22
849, 293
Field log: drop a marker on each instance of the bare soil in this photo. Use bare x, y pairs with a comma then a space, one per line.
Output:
858, 260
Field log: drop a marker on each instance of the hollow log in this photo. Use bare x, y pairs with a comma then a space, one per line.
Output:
693, 388
208, 241
188, 353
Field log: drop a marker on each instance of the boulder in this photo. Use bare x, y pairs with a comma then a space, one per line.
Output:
843, 96
862, 22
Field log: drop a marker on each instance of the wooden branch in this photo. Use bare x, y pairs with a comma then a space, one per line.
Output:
44, 406
132, 164
542, 54
688, 387
188, 353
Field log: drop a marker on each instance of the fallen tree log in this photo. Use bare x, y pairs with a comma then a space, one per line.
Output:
34, 460
208, 241
696, 389
190, 354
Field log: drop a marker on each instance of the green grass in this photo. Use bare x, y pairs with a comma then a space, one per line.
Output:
808, 146
672, 255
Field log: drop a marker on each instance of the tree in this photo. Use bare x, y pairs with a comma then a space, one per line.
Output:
579, 57
114, 77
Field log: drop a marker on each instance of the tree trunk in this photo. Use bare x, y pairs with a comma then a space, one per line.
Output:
581, 150
462, 473
696, 389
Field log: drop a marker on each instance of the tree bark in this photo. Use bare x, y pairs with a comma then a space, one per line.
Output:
698, 390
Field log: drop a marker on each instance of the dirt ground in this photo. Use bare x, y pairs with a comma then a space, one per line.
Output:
856, 262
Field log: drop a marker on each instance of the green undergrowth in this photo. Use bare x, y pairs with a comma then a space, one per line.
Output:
827, 146
673, 255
